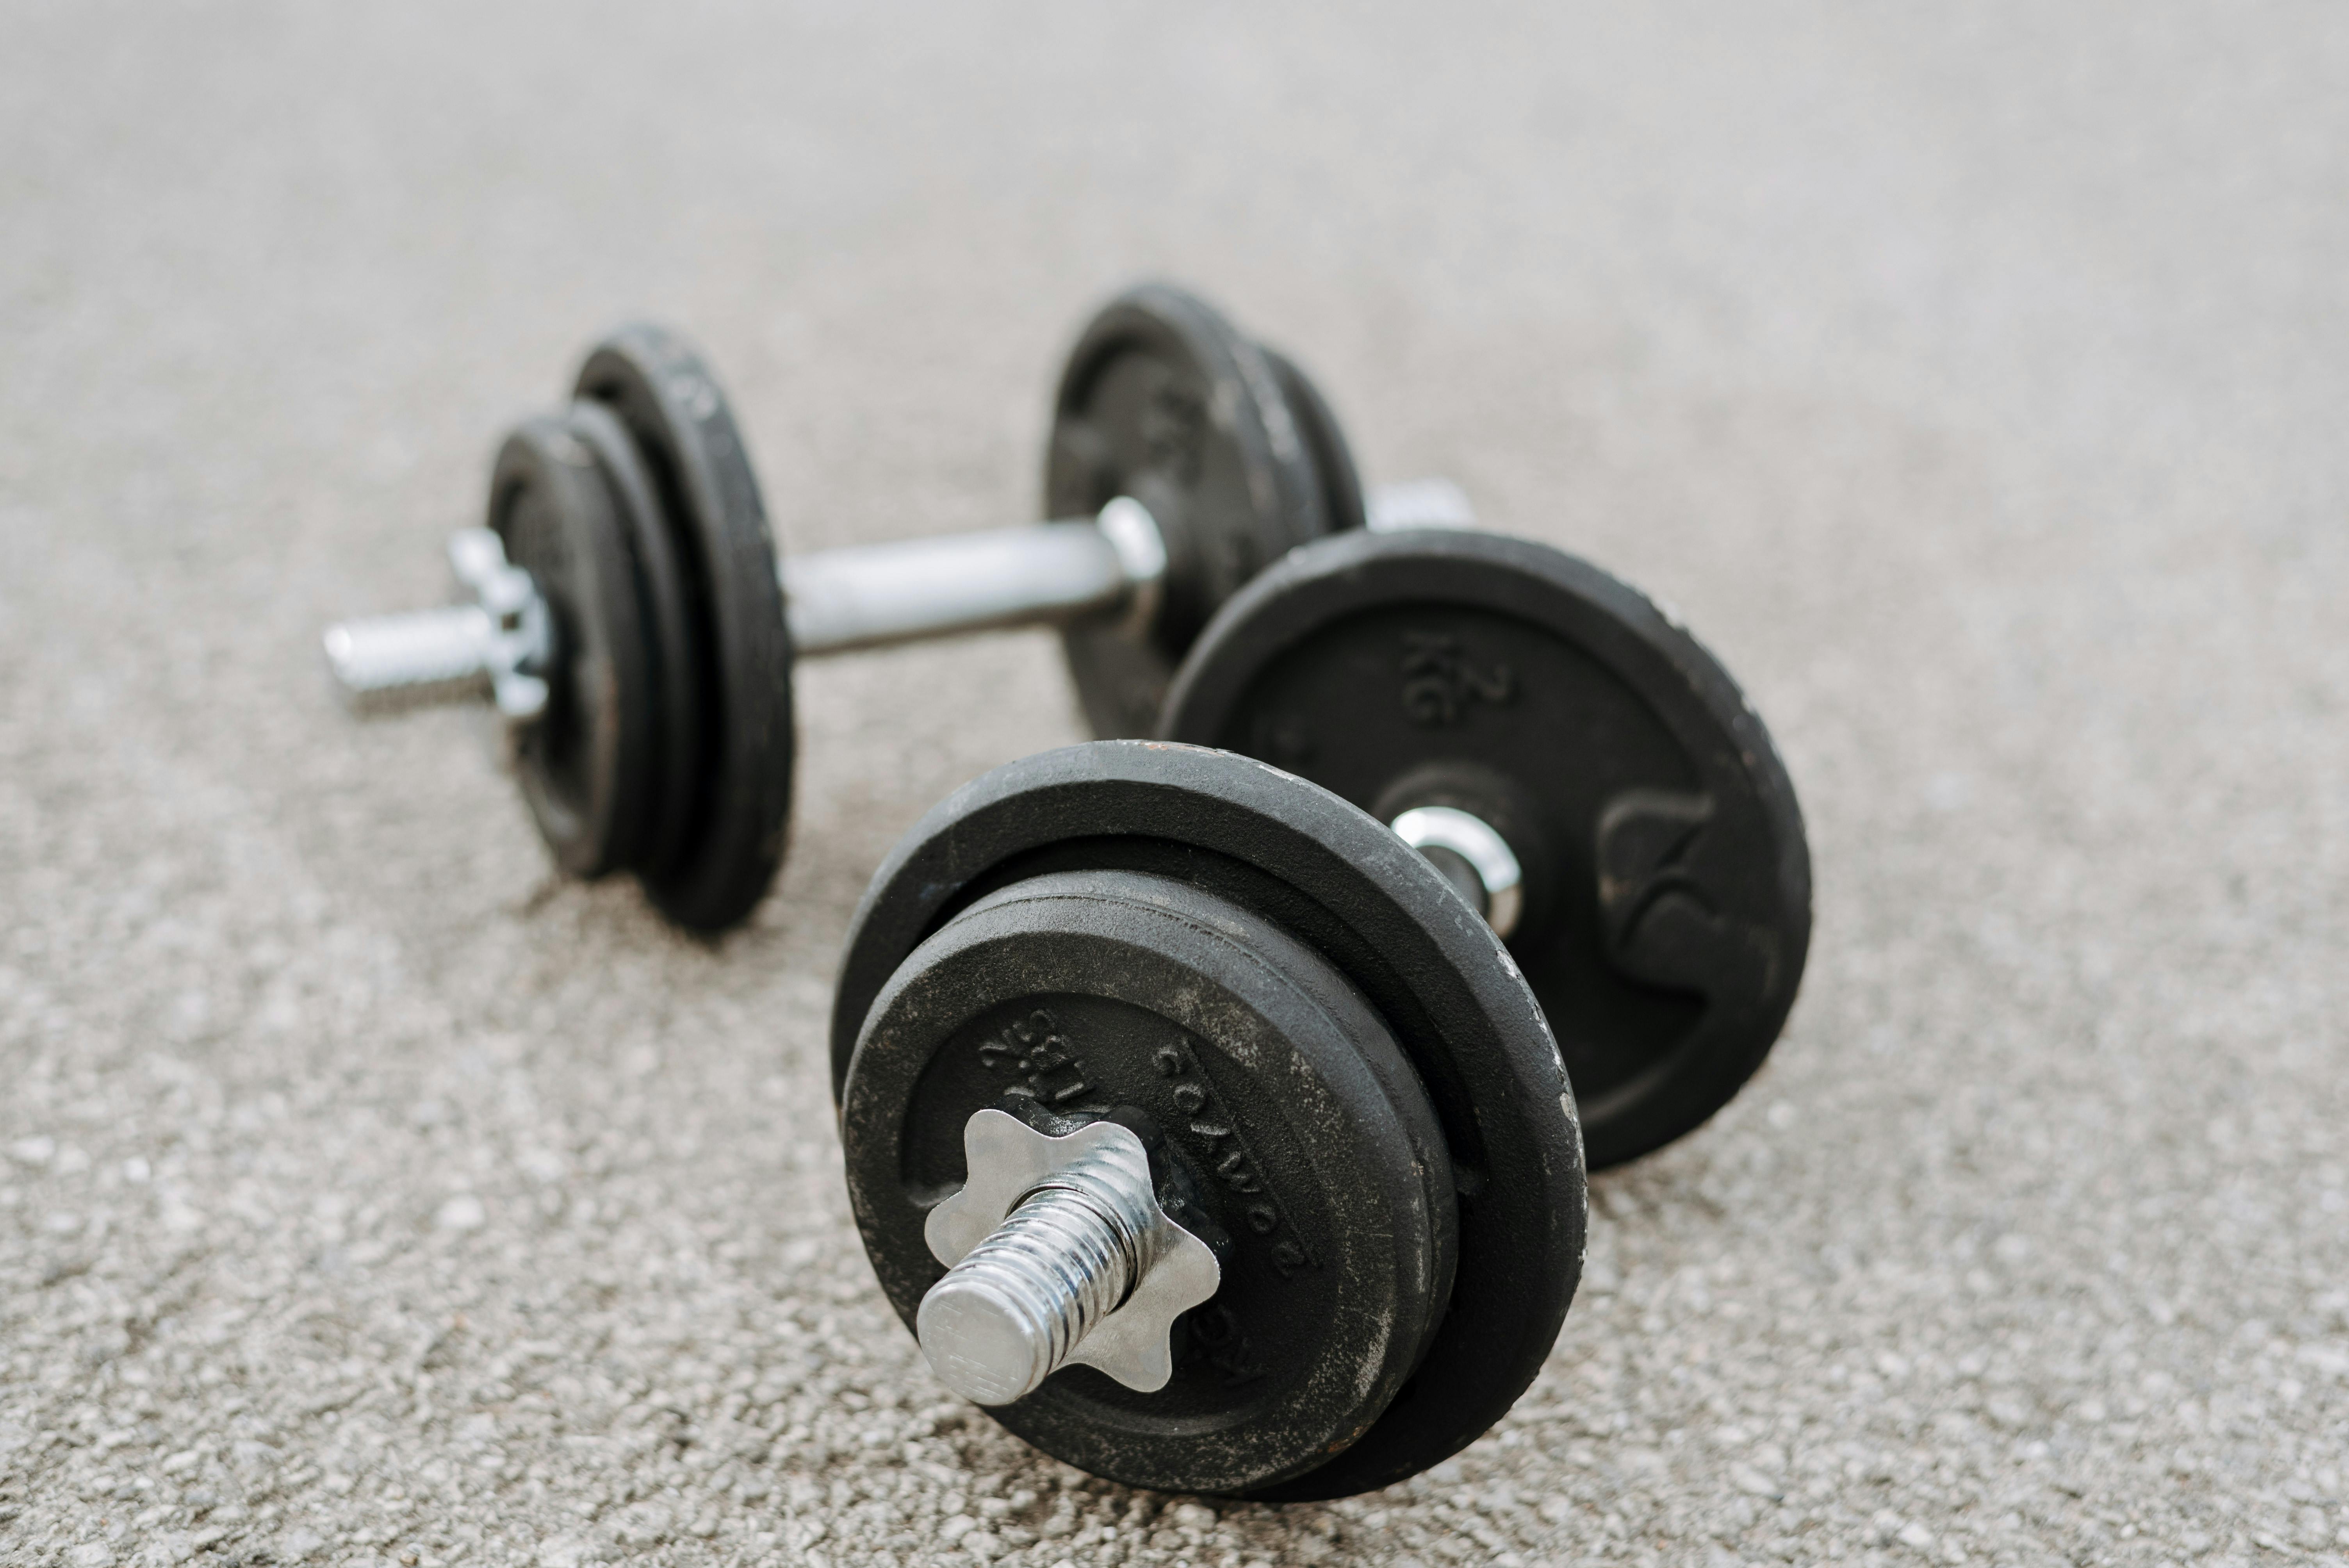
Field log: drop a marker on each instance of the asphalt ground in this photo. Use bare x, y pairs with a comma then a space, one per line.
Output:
1969, 378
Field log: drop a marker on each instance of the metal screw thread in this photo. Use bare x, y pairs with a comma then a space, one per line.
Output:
1018, 1304
424, 656
498, 645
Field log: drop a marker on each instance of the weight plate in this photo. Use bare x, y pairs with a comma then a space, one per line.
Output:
1336, 880
1284, 1127
1667, 880
582, 762
732, 842
674, 680
1164, 401
1333, 460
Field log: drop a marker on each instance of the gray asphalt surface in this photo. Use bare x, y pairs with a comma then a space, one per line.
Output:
1969, 378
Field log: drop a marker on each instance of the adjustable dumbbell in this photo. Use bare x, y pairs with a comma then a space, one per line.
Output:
1198, 1127
625, 610
1580, 767
1112, 997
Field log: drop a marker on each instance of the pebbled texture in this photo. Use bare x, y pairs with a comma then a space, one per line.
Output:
1970, 376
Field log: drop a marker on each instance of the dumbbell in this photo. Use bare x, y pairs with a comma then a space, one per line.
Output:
625, 611
1581, 769
1136, 1049
1198, 1127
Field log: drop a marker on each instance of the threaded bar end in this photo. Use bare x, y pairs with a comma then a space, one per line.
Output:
422, 656
1017, 1306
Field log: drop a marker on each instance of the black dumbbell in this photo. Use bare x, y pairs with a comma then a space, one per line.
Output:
627, 615
1583, 770
1200, 1129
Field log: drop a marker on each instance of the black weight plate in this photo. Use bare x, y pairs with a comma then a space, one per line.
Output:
1338, 880
1668, 888
664, 610
583, 764
728, 852
1300, 1139
1334, 461
1163, 400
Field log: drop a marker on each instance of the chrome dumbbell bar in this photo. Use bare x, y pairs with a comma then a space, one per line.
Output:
498, 641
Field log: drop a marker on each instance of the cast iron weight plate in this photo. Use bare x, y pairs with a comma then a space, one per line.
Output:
582, 766
1338, 882
1286, 1125
1163, 400
1667, 878
1342, 505
715, 849
664, 612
